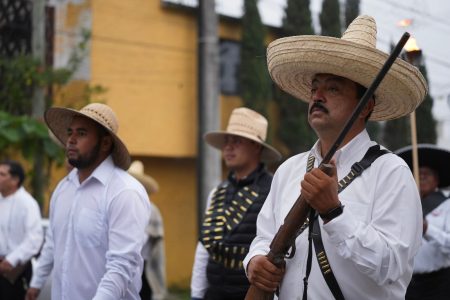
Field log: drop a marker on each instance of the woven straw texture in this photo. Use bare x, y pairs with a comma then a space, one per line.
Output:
137, 171
293, 61
249, 124
58, 120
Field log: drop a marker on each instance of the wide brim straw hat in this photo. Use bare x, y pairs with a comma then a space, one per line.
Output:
137, 171
58, 120
431, 156
293, 61
249, 124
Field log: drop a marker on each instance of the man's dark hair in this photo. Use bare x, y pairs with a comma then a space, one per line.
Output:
103, 132
15, 169
360, 91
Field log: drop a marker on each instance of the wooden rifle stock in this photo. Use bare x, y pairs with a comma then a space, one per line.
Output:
285, 237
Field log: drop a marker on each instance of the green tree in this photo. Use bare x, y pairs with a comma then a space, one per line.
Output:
425, 123
255, 83
397, 133
351, 11
330, 21
19, 132
294, 129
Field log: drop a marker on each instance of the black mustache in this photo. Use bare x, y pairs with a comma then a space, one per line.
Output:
318, 105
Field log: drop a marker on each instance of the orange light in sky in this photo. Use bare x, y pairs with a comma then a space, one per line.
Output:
404, 22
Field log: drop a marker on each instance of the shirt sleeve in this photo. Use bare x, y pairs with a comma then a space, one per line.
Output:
33, 238
128, 215
265, 225
384, 248
440, 235
44, 264
199, 282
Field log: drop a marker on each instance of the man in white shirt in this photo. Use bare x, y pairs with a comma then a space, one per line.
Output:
431, 275
21, 232
98, 212
370, 230
229, 225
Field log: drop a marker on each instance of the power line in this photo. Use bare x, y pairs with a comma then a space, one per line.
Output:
430, 17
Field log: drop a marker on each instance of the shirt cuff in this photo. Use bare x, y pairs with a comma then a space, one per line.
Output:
341, 228
249, 256
432, 233
12, 259
37, 283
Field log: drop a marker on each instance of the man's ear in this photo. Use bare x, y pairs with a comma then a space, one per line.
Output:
367, 110
106, 143
15, 180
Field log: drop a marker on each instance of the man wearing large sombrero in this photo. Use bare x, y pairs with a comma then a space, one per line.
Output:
98, 212
431, 276
368, 227
230, 220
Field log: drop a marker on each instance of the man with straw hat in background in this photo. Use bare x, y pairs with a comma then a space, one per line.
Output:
431, 276
98, 212
229, 224
154, 275
367, 230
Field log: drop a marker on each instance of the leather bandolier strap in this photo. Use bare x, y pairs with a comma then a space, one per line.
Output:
220, 220
357, 168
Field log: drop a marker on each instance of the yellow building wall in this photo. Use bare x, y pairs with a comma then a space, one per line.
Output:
146, 57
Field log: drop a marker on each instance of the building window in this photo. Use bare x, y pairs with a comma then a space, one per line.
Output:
230, 59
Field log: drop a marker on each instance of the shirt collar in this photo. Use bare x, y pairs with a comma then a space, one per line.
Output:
19, 190
102, 173
348, 152
247, 179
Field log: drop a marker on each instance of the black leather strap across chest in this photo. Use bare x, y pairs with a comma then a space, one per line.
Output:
315, 234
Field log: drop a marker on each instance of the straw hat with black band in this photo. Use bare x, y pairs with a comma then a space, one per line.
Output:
249, 124
58, 119
430, 156
293, 61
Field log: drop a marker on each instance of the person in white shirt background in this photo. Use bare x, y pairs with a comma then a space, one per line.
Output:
21, 233
431, 275
98, 213
372, 229
154, 285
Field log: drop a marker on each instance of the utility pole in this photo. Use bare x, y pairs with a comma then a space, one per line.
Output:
209, 159
38, 104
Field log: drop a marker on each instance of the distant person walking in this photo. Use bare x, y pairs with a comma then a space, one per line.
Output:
431, 275
21, 233
154, 275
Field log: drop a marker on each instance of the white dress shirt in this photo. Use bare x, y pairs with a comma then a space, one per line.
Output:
199, 281
370, 246
21, 233
434, 254
95, 238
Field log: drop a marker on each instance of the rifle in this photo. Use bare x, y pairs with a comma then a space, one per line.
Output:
294, 221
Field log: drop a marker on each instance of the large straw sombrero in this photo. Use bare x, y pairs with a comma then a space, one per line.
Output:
293, 61
249, 124
137, 171
58, 119
430, 156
